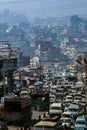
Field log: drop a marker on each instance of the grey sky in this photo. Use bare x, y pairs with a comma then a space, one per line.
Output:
45, 8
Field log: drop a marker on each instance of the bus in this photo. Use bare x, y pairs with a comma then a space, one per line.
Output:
46, 125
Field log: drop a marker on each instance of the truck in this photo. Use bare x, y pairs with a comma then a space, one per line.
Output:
40, 100
40, 97
17, 109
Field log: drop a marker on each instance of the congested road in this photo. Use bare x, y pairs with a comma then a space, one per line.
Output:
71, 96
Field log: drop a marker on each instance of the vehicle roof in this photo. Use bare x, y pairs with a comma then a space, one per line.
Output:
74, 106
56, 104
80, 118
45, 123
24, 91
66, 112
31, 86
66, 100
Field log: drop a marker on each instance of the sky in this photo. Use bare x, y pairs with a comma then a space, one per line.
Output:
45, 8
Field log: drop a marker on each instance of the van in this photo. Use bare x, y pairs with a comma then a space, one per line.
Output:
74, 109
56, 109
80, 123
66, 114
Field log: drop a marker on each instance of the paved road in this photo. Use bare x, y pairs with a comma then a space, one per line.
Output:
36, 114
13, 128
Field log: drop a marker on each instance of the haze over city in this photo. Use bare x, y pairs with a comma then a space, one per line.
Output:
45, 8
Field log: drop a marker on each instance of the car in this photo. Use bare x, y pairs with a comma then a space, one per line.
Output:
66, 103
74, 109
69, 97
53, 89
55, 109
77, 99
66, 114
46, 88
80, 123
66, 121
24, 93
3, 126
52, 97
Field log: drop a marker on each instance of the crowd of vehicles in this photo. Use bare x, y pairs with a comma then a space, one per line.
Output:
62, 99
67, 102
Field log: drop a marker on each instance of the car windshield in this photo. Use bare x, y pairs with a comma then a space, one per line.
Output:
66, 115
65, 120
80, 122
74, 110
55, 108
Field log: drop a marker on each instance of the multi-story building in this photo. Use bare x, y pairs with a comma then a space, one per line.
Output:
8, 63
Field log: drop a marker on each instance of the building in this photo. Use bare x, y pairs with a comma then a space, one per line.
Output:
8, 63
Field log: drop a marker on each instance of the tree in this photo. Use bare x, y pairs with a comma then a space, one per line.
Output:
75, 20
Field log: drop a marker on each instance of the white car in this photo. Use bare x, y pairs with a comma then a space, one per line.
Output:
66, 121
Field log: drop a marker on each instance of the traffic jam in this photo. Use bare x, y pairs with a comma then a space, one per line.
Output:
59, 103
67, 104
